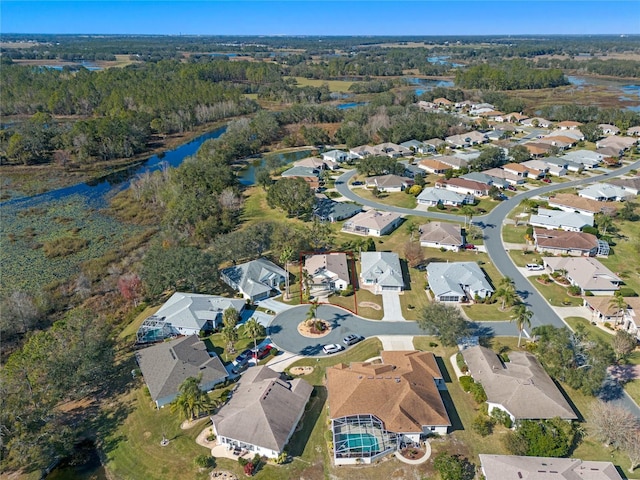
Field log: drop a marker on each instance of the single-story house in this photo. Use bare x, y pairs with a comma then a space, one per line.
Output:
537, 168
313, 163
515, 117
381, 271
464, 186
411, 170
516, 169
568, 125
482, 177
631, 185
505, 176
454, 161
587, 158
536, 122
328, 271
563, 163
432, 196
362, 151
299, 171
392, 150
432, 165
585, 272
373, 223
559, 242
190, 313
389, 183
573, 203
458, 141
329, 210
457, 281
538, 149
379, 406
427, 106
418, 147
633, 131
256, 280
166, 365
603, 310
560, 220
620, 143
573, 136
468, 154
263, 412
608, 129
441, 235
434, 142
335, 156
604, 192
442, 101
478, 108
561, 142
520, 387
609, 153
511, 467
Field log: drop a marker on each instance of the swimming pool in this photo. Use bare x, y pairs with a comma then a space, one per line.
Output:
361, 443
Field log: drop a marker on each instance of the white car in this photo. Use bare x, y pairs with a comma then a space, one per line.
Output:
332, 348
534, 266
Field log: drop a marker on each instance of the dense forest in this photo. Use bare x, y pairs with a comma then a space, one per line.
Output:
512, 75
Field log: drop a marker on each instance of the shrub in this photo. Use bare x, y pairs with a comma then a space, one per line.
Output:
347, 291
440, 206
483, 425
627, 292
466, 382
433, 344
460, 361
248, 469
479, 395
243, 461
588, 293
574, 290
61, 247
501, 417
204, 461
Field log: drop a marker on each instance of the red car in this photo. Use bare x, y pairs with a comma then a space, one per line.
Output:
546, 180
262, 352
470, 246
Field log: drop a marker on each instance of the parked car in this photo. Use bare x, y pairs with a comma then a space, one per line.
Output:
243, 357
332, 348
534, 266
357, 183
262, 352
546, 180
352, 339
470, 246
512, 188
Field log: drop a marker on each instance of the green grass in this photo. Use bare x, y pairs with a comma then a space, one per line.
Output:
396, 199
521, 259
130, 330
625, 261
556, 294
334, 85
513, 234
487, 312
361, 295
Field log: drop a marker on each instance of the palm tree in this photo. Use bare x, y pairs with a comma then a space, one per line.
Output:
254, 330
506, 291
412, 228
522, 318
468, 212
619, 304
230, 336
191, 401
604, 222
285, 257
313, 309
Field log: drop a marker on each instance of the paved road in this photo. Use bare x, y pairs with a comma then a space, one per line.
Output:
491, 225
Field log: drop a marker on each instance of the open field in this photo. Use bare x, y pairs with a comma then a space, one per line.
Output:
334, 85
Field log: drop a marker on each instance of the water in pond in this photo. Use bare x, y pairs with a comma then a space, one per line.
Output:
428, 84
629, 90
443, 60
248, 175
346, 106
83, 465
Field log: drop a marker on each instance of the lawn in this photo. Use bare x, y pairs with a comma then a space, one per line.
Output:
487, 312
513, 234
130, 330
334, 85
521, 259
361, 296
556, 294
625, 261
396, 199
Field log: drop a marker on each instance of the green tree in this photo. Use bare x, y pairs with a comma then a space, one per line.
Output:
522, 317
519, 153
313, 310
453, 467
254, 329
591, 131
293, 195
285, 257
230, 317
507, 292
619, 304
542, 438
191, 400
623, 345
445, 321
230, 337
263, 178
604, 222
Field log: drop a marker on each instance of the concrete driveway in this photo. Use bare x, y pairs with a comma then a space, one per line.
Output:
392, 308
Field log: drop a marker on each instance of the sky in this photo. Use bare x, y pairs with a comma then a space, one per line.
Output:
300, 17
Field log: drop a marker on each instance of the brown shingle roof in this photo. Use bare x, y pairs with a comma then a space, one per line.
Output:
434, 165
563, 240
401, 391
580, 203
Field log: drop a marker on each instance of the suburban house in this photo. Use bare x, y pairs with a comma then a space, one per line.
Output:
335, 156
572, 203
604, 192
537, 168
559, 242
516, 169
381, 271
561, 141
441, 235
431, 165
504, 176
631, 185
478, 108
362, 151
457, 281
389, 183
560, 220
187, 314
608, 129
512, 467
515, 117
373, 223
587, 158
263, 412
317, 163
434, 142
389, 149
165, 366
299, 171
538, 149
571, 136
620, 143
328, 271
376, 407
563, 163
520, 387
585, 272
432, 196
460, 158
483, 177
568, 125
603, 310
466, 139
329, 210
536, 122
411, 170
464, 186
609, 154
442, 101
418, 147
633, 131
255, 280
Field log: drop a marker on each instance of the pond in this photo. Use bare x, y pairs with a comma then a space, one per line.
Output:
629, 90
428, 84
248, 175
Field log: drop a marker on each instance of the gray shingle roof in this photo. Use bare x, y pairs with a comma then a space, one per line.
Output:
512, 467
166, 365
382, 267
327, 209
249, 277
445, 278
521, 385
560, 219
264, 409
431, 194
